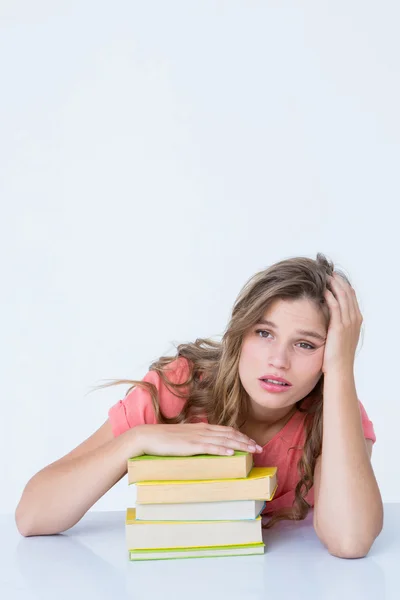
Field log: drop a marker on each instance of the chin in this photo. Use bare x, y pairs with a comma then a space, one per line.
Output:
273, 401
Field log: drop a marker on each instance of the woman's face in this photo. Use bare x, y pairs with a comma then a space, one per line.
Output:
280, 349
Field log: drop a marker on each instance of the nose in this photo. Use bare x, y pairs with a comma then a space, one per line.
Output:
278, 359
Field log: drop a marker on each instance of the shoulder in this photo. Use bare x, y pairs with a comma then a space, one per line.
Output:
136, 408
178, 370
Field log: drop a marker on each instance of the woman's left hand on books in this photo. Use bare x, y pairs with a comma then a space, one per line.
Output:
344, 327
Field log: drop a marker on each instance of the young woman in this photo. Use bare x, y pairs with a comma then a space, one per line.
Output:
280, 384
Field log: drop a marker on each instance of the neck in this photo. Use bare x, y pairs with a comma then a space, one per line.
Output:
258, 416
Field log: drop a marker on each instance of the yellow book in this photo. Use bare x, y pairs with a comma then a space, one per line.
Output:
260, 484
199, 466
142, 535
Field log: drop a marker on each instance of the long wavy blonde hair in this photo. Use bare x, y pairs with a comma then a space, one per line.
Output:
214, 389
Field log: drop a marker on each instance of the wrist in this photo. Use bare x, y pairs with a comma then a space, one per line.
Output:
132, 442
338, 383
339, 371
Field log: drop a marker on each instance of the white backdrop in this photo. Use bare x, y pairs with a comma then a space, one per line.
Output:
153, 156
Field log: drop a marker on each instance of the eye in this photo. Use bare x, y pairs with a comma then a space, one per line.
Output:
261, 331
309, 346
258, 331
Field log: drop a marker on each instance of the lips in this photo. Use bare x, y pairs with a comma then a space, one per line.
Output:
275, 378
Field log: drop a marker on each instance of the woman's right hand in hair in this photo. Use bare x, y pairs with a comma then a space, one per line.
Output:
187, 439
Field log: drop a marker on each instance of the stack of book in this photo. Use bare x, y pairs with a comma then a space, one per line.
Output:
197, 506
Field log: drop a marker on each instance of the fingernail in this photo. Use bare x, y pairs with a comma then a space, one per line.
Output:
251, 447
229, 451
259, 448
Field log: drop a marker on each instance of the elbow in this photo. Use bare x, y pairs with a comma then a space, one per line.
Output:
358, 549
22, 522
351, 545
24, 531
354, 547
30, 524
25, 513
32, 514
28, 520
31, 520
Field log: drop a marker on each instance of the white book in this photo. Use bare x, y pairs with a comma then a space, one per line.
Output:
156, 535
201, 511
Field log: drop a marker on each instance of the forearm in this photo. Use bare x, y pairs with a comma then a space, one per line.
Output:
349, 507
58, 496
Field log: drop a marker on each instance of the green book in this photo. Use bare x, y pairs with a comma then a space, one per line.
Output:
188, 468
203, 552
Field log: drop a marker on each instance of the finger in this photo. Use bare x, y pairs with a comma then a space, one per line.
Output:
338, 286
221, 430
213, 449
352, 305
226, 431
334, 308
356, 312
231, 443
353, 308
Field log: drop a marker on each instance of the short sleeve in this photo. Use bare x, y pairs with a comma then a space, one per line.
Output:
367, 425
137, 406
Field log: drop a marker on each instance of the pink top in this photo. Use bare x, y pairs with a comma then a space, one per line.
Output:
137, 409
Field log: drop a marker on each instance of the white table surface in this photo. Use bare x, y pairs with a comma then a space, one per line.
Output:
90, 561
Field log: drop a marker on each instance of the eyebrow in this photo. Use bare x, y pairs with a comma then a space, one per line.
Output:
306, 332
